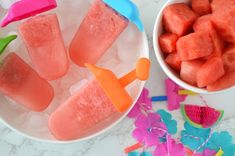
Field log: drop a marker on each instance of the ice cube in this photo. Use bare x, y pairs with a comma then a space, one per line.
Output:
76, 87
126, 51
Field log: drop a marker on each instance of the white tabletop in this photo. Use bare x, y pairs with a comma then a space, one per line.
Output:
114, 141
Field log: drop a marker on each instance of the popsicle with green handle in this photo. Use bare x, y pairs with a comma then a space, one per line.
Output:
21, 83
4, 42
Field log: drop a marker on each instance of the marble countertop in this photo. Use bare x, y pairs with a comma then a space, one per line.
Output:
115, 140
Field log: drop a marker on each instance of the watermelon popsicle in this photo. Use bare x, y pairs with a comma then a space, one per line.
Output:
22, 84
46, 48
104, 22
95, 102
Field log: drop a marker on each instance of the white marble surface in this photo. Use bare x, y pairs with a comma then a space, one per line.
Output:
114, 141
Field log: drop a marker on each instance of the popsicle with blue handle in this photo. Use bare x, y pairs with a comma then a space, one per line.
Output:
104, 22
26, 8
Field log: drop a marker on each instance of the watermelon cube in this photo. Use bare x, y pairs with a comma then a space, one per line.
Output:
227, 81
178, 18
224, 22
195, 45
173, 61
167, 42
204, 24
221, 4
189, 70
210, 72
201, 7
229, 58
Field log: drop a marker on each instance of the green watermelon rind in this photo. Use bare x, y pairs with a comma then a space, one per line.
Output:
196, 124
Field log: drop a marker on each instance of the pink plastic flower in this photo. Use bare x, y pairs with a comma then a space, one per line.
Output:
169, 148
144, 103
149, 129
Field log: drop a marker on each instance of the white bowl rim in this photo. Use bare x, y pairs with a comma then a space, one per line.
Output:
146, 46
165, 67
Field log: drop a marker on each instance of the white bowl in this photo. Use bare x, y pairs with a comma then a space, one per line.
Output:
120, 58
158, 29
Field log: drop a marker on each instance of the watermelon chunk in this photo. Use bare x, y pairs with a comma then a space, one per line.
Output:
224, 22
229, 58
167, 42
189, 71
227, 81
201, 7
204, 24
221, 4
178, 18
173, 61
194, 45
210, 72
201, 117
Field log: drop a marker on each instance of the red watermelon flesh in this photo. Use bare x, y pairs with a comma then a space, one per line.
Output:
229, 58
201, 7
167, 42
201, 117
224, 22
217, 5
227, 81
178, 18
173, 61
204, 24
210, 72
194, 46
189, 70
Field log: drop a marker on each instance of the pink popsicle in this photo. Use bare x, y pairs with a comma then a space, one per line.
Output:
46, 48
77, 115
99, 29
25, 8
21, 83
95, 102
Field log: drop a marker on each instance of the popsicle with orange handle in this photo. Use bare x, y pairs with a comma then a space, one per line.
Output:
95, 102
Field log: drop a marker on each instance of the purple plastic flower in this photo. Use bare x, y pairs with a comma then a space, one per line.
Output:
169, 148
144, 103
149, 129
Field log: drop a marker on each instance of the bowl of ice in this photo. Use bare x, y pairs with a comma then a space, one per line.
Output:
120, 58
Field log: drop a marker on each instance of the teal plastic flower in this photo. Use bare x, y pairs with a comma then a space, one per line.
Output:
193, 137
169, 122
222, 140
139, 154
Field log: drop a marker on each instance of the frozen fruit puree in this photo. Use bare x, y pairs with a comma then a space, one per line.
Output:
95, 102
46, 48
99, 29
21, 83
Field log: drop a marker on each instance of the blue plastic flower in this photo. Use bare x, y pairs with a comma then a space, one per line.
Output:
222, 140
193, 137
169, 122
139, 154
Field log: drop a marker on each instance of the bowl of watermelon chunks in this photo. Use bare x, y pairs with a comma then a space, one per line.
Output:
194, 42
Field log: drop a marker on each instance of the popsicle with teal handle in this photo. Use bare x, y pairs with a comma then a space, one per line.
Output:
127, 9
4, 42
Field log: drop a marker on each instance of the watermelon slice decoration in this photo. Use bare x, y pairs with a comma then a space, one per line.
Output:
201, 117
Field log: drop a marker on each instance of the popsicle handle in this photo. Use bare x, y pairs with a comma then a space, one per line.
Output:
141, 72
